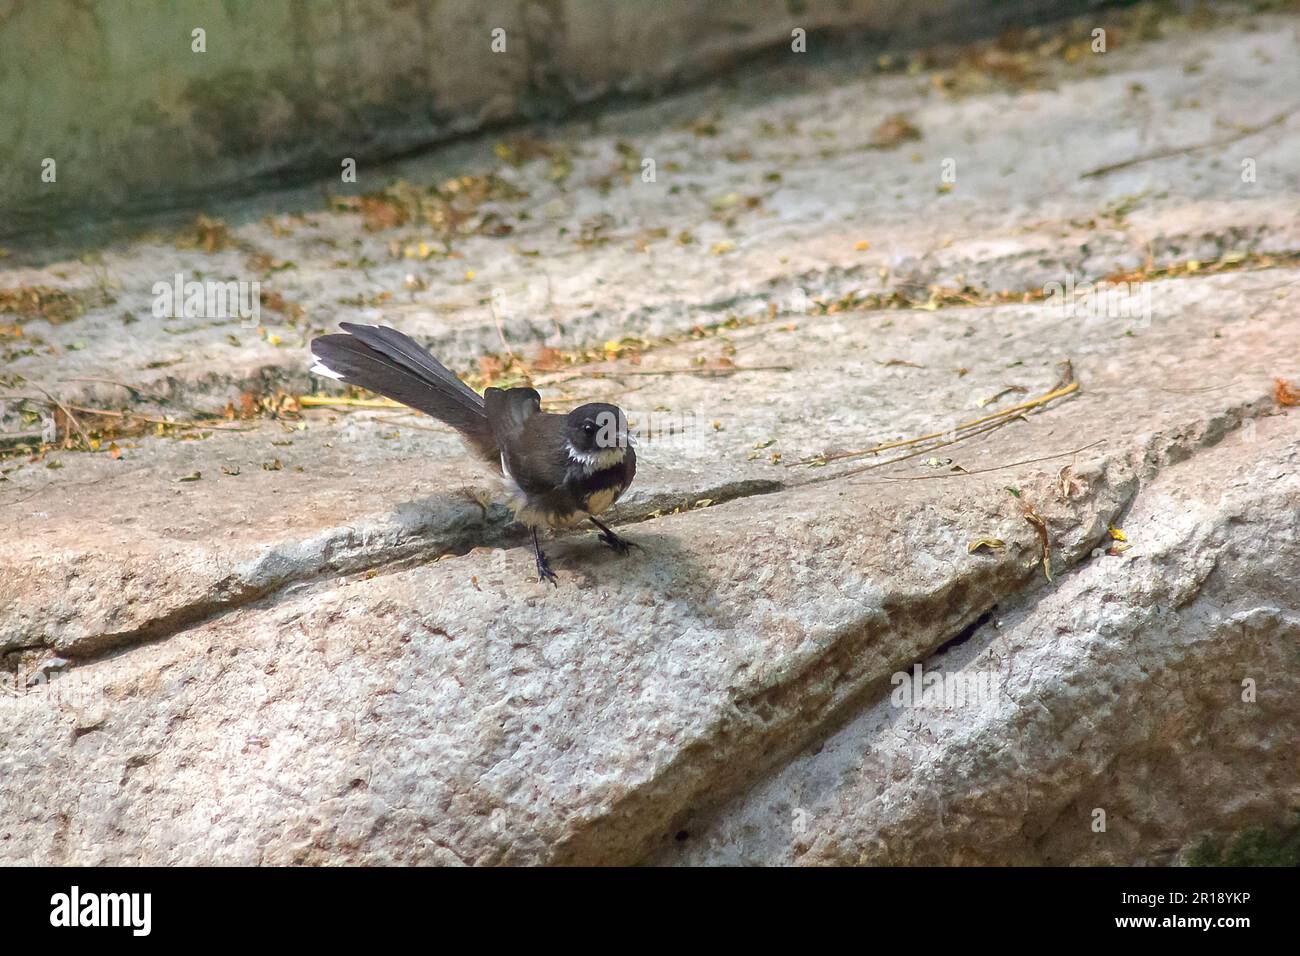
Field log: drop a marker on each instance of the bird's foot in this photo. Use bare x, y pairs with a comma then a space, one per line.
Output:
620, 545
544, 572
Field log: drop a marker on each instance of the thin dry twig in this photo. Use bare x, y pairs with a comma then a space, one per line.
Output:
702, 371
10, 437
72, 419
219, 426
328, 401
1183, 150
988, 427
68, 408
501, 333
705, 371
983, 471
1008, 413
136, 390
1195, 391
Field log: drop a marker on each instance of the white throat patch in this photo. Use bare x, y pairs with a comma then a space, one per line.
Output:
593, 461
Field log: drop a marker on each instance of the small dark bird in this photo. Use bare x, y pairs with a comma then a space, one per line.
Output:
560, 469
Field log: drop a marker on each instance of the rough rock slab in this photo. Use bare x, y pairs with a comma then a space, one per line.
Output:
350, 493
476, 716
1122, 689
343, 657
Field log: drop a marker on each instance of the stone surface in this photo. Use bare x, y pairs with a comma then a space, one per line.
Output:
325, 648
1122, 688
596, 254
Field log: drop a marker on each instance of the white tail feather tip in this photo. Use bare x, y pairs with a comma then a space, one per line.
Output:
320, 369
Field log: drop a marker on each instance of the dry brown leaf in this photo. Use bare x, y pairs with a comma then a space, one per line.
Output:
894, 130
1067, 486
1035, 519
381, 213
548, 359
889, 363
1285, 393
41, 302
278, 303
206, 233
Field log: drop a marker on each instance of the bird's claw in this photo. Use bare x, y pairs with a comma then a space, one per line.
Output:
620, 545
544, 572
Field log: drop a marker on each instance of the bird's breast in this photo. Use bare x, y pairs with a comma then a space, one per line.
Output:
540, 515
600, 500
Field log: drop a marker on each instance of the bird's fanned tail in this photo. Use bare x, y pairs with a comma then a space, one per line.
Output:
385, 361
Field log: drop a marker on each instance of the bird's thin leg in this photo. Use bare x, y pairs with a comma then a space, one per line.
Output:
620, 545
544, 572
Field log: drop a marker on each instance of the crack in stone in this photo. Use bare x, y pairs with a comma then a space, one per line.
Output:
832, 706
231, 593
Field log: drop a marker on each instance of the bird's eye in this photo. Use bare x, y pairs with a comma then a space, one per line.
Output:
589, 427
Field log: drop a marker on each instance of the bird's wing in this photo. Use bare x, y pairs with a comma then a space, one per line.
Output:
508, 408
536, 456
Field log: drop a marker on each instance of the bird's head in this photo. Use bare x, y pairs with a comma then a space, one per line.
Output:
597, 433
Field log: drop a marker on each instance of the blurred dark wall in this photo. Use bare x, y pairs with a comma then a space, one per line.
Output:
135, 119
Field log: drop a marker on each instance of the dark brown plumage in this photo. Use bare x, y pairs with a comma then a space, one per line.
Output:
561, 469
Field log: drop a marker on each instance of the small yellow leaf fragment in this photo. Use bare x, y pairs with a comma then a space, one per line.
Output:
986, 544
862, 245
723, 247
1118, 534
